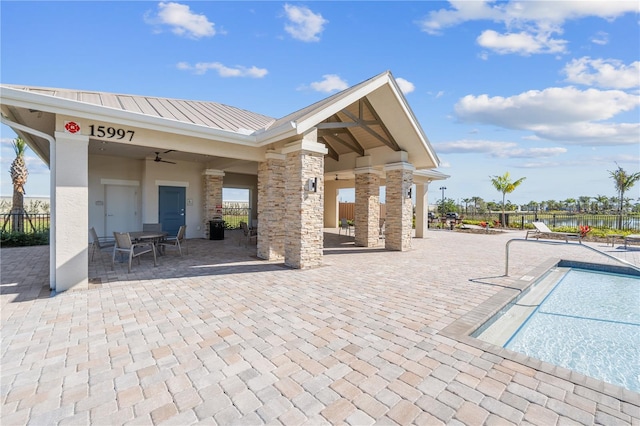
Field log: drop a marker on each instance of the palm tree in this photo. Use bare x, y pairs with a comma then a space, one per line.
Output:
603, 203
623, 181
504, 185
476, 200
466, 202
19, 174
570, 203
584, 202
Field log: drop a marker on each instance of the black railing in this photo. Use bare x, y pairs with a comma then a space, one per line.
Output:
624, 222
232, 216
26, 222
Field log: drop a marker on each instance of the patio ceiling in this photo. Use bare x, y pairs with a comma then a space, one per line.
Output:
357, 128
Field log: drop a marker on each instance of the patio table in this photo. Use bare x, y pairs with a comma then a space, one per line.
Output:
155, 236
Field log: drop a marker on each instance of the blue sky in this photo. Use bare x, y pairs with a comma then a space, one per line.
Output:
544, 90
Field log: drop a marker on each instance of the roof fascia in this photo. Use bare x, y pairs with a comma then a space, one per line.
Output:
414, 121
428, 175
24, 99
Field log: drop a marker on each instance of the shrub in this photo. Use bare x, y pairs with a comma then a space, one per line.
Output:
22, 239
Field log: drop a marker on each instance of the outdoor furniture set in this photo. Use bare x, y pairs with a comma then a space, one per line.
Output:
136, 243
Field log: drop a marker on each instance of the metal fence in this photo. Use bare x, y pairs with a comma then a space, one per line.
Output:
232, 216
28, 222
624, 222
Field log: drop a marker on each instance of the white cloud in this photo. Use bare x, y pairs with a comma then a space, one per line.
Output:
607, 73
529, 25
564, 114
329, 83
522, 43
405, 85
601, 38
303, 24
496, 149
182, 20
223, 70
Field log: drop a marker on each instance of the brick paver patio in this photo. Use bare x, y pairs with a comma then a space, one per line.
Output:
221, 337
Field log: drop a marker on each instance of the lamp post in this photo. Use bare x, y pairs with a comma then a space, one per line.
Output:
442, 188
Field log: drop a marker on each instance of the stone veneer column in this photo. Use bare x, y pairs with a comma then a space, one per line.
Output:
367, 206
304, 215
398, 225
271, 207
212, 187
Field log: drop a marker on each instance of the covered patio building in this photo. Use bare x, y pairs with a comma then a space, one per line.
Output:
118, 161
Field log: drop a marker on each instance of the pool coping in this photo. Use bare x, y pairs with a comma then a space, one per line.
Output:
462, 328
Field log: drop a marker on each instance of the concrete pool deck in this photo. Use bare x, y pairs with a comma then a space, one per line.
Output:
221, 337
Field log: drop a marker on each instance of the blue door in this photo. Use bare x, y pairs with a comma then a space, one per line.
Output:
172, 201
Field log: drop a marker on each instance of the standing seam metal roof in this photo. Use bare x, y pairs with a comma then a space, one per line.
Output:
210, 114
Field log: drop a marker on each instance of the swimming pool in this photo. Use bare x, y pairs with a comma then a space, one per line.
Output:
584, 320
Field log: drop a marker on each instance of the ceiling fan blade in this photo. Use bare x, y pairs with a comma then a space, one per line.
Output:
169, 150
159, 159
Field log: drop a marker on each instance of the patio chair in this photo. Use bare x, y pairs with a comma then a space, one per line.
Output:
631, 238
99, 242
344, 226
543, 231
248, 234
125, 246
176, 242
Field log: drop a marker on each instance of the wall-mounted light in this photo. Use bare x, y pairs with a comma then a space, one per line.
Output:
312, 185
409, 192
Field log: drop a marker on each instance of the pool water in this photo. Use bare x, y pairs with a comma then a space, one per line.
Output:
590, 323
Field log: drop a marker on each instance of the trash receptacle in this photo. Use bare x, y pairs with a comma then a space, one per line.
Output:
216, 229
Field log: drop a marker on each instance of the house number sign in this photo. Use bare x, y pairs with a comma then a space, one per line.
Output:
110, 132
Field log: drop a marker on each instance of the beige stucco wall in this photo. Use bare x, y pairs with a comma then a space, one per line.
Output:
150, 175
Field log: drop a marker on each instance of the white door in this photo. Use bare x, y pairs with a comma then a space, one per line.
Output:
122, 208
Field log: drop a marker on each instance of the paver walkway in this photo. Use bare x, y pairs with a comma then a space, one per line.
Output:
220, 337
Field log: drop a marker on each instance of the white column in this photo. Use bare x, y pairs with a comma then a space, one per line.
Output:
70, 233
422, 209
331, 203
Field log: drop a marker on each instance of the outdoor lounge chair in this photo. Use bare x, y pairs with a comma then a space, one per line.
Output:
542, 231
124, 245
631, 238
99, 242
176, 242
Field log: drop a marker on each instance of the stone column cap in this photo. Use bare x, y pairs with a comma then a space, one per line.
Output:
401, 165
272, 155
368, 169
213, 172
305, 145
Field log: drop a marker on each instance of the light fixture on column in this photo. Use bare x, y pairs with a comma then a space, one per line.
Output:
312, 185
409, 192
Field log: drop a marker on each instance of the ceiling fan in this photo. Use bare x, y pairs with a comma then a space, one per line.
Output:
158, 159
